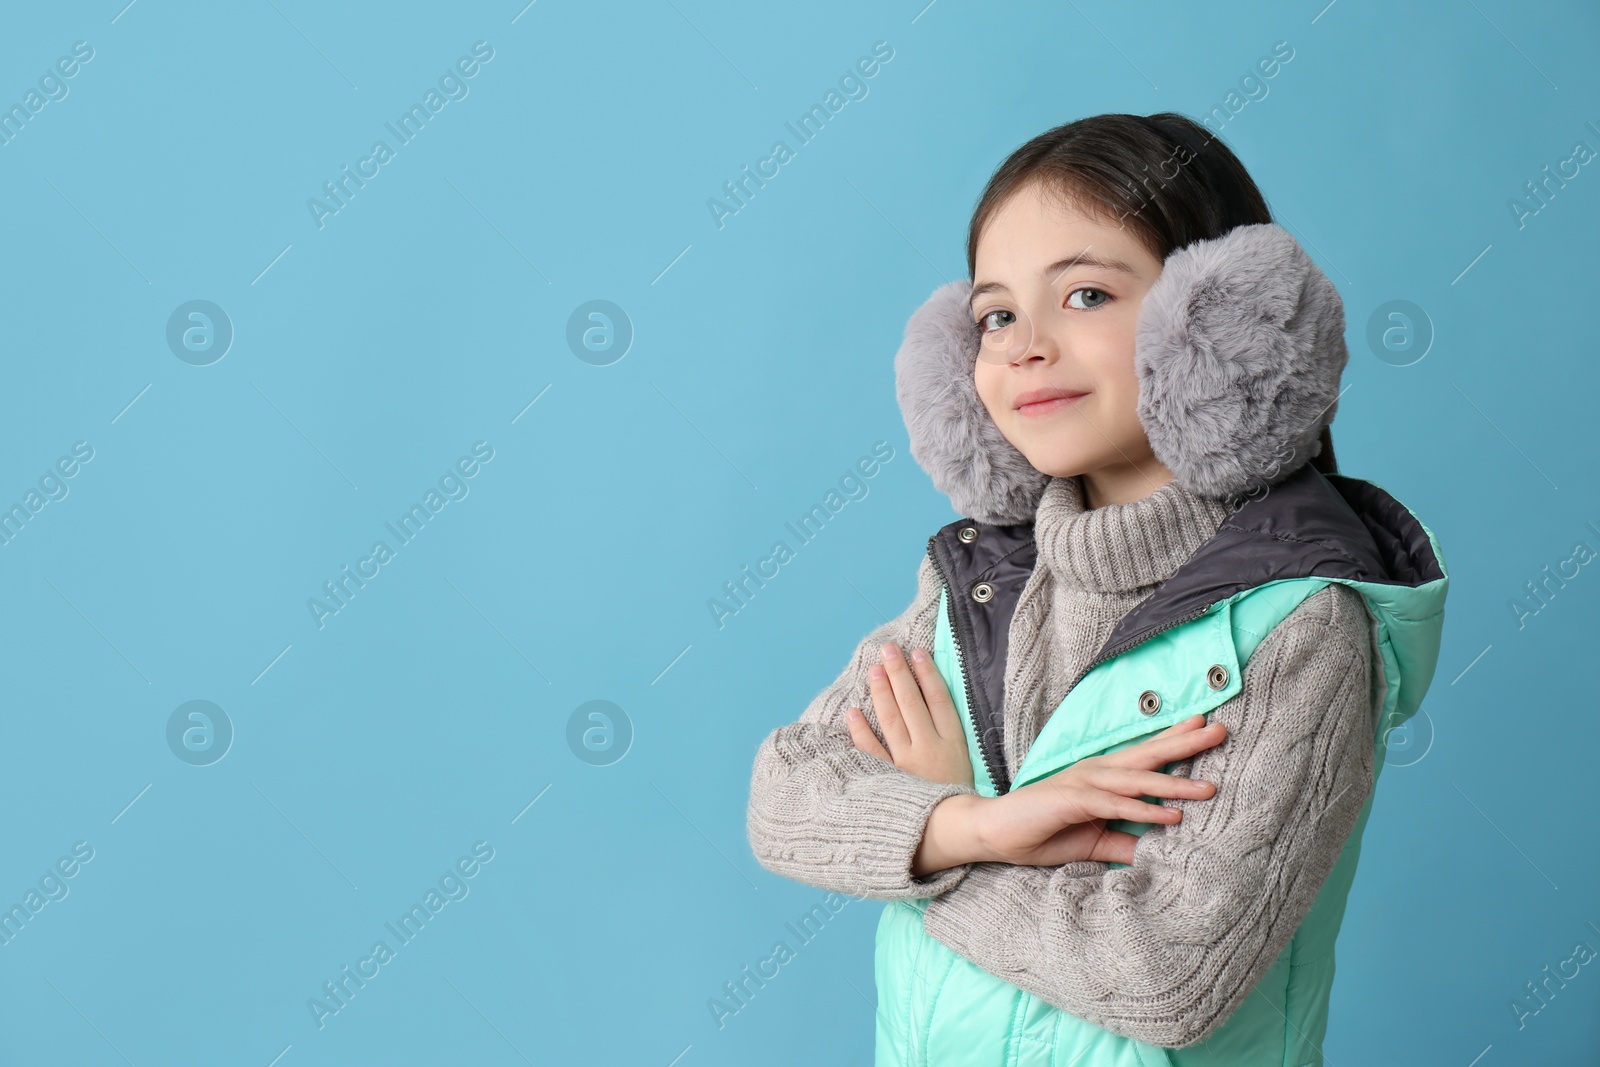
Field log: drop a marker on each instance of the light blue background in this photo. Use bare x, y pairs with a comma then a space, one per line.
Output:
432, 310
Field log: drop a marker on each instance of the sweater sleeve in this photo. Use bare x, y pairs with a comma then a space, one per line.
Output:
823, 812
1164, 949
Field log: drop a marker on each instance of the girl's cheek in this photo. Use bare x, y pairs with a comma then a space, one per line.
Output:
983, 378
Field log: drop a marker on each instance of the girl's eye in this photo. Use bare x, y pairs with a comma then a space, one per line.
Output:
999, 311
1096, 298
1104, 296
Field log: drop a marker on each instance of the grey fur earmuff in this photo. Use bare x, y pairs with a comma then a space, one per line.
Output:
1239, 348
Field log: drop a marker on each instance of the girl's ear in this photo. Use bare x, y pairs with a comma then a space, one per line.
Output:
952, 436
1240, 344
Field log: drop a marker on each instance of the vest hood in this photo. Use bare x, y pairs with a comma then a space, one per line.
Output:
1238, 351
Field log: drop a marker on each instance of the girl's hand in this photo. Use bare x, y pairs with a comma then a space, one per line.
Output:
1062, 818
918, 719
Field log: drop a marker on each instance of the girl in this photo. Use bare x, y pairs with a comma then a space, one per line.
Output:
1128, 401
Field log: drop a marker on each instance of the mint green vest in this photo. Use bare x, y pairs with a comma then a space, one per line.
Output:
938, 1009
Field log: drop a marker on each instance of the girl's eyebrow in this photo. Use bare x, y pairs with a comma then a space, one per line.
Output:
1082, 259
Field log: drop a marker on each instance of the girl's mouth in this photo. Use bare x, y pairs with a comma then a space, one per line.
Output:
1045, 407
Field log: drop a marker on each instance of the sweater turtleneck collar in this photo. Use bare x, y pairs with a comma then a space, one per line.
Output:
1119, 548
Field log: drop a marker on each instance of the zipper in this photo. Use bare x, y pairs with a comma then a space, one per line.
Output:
992, 761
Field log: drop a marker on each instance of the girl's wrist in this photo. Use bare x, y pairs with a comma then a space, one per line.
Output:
953, 835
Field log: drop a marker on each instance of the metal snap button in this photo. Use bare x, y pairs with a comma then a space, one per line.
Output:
968, 534
983, 592
1149, 702
1217, 676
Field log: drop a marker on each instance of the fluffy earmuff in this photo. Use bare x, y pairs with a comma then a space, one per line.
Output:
952, 436
1239, 348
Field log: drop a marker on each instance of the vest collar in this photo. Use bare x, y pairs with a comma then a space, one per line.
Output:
1309, 524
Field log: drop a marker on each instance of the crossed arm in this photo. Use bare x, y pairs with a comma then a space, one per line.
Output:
824, 812
1163, 950
1167, 948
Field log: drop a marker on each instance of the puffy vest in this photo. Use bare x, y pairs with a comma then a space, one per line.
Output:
1179, 652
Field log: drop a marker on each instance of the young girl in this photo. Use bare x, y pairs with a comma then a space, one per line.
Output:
1128, 401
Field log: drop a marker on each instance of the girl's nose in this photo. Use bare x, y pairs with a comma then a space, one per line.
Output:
1018, 342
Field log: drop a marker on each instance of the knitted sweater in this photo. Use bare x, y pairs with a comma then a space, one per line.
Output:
1172, 943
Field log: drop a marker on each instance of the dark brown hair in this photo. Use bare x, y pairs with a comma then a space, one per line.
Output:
1165, 177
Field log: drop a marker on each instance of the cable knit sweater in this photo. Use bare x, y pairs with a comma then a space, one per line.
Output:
1164, 949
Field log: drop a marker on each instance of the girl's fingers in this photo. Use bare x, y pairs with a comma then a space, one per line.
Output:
1139, 811
1081, 803
942, 709
1098, 804
1193, 722
890, 720
1169, 745
1136, 783
1113, 846
861, 733
907, 694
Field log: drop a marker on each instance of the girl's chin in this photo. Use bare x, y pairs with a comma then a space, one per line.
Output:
1051, 455
1056, 466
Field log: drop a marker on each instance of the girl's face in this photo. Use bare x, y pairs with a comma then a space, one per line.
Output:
1057, 296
